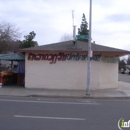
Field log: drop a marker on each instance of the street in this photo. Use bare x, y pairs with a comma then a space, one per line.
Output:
124, 77
31, 113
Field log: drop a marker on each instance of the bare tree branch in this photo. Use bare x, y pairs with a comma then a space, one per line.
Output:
9, 34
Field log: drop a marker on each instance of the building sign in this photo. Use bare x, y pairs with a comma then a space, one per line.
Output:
109, 59
53, 58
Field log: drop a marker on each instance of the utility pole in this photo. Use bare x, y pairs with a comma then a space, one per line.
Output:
89, 51
74, 29
72, 17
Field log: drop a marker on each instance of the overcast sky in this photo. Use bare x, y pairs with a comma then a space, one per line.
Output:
51, 19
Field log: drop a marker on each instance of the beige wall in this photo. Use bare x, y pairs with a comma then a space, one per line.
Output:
108, 75
70, 74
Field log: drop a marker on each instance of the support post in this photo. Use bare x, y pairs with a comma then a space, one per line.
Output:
89, 51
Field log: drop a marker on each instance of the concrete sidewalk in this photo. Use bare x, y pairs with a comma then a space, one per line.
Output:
123, 91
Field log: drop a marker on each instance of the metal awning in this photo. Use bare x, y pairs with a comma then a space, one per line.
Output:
12, 57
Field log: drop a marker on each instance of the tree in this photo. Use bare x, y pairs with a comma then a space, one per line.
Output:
9, 34
28, 42
83, 30
13, 46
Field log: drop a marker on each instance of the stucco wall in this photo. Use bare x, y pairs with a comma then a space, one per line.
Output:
70, 74
108, 75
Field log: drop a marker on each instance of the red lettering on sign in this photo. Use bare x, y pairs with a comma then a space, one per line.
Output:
38, 57
61, 57
42, 57
54, 59
31, 56
50, 57
46, 57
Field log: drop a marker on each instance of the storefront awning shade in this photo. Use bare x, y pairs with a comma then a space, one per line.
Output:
12, 57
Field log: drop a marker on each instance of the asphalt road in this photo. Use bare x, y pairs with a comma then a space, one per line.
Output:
61, 114
124, 77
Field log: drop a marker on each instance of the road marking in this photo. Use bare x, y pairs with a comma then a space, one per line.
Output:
86, 101
40, 99
51, 118
49, 102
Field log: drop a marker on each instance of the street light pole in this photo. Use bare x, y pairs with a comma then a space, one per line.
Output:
89, 51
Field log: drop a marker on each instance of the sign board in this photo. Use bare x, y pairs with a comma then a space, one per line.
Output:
53, 58
110, 59
82, 36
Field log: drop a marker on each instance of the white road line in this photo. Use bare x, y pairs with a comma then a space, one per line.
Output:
40, 99
49, 102
52, 118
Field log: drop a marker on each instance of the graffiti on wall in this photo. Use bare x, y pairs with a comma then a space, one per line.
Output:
53, 58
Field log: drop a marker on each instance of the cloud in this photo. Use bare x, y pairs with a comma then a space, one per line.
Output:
119, 18
51, 19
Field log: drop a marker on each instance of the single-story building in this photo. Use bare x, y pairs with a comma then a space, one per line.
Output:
63, 65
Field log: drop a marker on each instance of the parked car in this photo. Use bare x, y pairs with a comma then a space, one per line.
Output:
125, 70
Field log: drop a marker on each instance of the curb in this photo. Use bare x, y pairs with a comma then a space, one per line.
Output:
78, 97
68, 97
